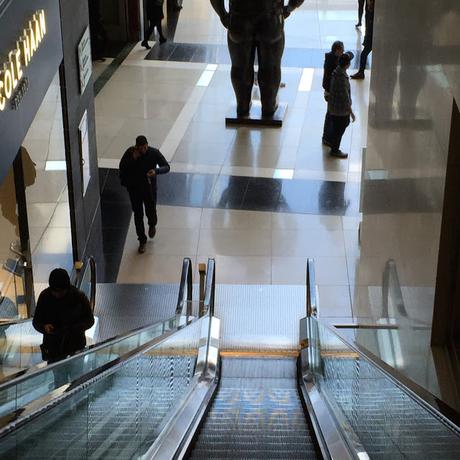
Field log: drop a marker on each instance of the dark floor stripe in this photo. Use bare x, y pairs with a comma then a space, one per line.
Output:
218, 54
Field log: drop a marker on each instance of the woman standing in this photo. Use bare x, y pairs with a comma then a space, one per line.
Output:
154, 16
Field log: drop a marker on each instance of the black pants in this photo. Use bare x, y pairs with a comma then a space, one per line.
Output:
360, 10
364, 55
149, 31
339, 125
140, 199
327, 131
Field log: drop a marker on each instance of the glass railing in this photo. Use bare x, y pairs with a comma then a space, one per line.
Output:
20, 342
19, 392
118, 413
376, 413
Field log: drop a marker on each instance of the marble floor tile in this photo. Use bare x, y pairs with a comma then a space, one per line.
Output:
235, 220
150, 269
241, 269
288, 221
174, 217
226, 242
308, 243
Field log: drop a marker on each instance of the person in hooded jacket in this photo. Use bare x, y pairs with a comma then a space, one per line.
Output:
339, 105
63, 314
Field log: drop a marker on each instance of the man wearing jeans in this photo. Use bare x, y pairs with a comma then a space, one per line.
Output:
139, 168
339, 105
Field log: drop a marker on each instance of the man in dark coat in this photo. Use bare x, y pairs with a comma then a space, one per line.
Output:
331, 60
139, 168
155, 15
62, 315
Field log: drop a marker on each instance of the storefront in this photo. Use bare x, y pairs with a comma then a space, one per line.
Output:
38, 171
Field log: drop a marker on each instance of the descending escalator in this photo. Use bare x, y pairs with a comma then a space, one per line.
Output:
257, 413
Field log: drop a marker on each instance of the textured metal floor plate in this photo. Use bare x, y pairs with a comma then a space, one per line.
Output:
264, 317
123, 307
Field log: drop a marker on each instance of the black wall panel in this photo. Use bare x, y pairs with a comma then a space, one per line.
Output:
14, 17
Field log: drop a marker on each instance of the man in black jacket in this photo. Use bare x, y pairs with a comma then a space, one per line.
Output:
331, 60
139, 168
62, 315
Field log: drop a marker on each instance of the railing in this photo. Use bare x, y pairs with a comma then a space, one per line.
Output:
379, 411
201, 339
27, 385
185, 297
88, 281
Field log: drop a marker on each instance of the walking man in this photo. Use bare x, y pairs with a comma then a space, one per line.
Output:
368, 38
154, 15
339, 105
139, 168
331, 60
62, 315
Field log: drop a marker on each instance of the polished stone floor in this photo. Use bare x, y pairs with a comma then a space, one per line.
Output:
259, 200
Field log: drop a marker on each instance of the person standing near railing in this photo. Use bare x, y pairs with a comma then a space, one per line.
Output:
62, 315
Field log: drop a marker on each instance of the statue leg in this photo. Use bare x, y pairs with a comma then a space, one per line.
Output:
270, 47
242, 53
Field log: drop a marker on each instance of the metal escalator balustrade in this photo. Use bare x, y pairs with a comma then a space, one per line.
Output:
114, 412
117, 410
381, 414
17, 393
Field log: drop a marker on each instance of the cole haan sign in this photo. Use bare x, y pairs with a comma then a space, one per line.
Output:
12, 84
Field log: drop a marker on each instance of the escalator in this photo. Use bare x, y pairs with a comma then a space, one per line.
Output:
256, 413
182, 395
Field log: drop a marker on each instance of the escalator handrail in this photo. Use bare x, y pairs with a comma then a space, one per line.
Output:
426, 399
185, 289
20, 416
42, 367
210, 289
311, 301
179, 430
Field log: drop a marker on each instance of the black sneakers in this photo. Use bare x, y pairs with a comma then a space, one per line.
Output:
339, 154
146, 45
141, 249
152, 231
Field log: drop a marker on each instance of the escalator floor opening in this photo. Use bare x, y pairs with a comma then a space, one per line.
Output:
256, 414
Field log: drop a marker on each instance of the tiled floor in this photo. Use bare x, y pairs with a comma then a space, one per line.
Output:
259, 200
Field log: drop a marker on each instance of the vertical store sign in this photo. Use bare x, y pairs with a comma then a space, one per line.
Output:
84, 151
85, 63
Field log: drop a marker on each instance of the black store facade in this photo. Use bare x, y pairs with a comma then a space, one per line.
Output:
49, 190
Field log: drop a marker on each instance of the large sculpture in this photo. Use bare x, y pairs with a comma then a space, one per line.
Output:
255, 26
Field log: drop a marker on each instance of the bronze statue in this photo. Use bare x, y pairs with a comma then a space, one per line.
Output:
255, 26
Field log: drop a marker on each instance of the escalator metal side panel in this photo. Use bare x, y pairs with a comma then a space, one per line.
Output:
179, 432
327, 429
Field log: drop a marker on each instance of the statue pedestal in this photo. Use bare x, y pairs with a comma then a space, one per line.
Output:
255, 117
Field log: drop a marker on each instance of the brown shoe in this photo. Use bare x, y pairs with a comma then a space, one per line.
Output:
152, 231
141, 249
